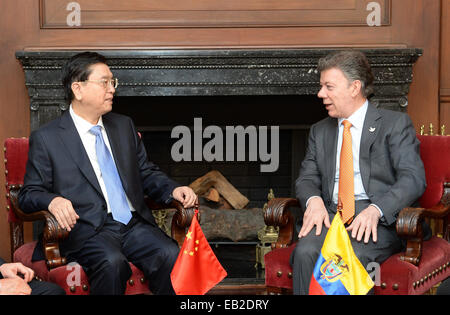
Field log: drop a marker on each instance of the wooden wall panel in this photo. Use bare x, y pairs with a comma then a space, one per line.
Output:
417, 23
15, 27
210, 13
444, 95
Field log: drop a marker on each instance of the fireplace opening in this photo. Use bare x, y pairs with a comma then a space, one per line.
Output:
156, 112
156, 117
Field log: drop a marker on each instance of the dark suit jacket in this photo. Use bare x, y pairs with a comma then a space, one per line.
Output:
58, 165
1, 263
391, 169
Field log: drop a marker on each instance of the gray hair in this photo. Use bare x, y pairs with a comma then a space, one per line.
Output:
353, 64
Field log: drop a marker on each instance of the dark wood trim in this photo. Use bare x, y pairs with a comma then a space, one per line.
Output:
212, 14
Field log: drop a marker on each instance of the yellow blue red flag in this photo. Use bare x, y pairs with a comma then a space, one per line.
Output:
338, 271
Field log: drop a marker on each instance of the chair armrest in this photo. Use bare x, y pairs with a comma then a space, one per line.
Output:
181, 220
409, 227
278, 215
25, 217
52, 233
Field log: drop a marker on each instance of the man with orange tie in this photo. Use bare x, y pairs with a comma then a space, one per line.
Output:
361, 162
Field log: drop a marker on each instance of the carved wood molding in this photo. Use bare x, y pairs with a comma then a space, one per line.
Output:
52, 235
181, 220
212, 73
409, 226
16, 232
277, 214
209, 13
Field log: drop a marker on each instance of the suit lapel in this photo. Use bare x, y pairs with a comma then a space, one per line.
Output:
72, 142
331, 137
115, 137
370, 131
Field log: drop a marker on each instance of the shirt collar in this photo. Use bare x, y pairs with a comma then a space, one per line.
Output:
82, 125
357, 118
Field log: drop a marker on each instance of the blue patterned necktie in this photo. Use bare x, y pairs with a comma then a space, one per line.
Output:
116, 194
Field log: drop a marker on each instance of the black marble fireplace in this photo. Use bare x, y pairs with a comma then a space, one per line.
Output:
161, 89
260, 72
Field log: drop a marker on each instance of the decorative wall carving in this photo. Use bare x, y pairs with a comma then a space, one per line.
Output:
213, 72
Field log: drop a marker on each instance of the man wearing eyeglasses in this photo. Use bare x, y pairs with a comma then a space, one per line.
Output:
89, 168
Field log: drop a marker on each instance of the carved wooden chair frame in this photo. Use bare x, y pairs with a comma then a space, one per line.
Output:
408, 226
53, 233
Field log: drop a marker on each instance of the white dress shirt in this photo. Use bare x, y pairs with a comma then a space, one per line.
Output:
357, 121
88, 140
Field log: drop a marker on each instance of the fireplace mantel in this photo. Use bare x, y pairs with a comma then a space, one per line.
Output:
213, 72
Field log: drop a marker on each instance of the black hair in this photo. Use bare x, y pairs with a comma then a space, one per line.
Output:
77, 69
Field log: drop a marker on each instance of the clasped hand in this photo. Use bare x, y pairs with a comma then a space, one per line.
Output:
185, 195
12, 282
364, 224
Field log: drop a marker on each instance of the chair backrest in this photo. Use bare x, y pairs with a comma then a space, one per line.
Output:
16, 156
435, 154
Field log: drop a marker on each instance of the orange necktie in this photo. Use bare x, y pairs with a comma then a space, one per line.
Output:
346, 194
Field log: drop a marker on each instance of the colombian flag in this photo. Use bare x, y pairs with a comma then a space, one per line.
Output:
338, 271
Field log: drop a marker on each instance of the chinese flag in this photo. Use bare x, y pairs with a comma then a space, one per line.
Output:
197, 269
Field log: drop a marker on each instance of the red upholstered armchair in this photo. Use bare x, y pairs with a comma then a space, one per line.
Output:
54, 268
422, 265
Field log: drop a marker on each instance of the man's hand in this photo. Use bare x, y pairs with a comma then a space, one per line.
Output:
14, 270
14, 286
64, 213
185, 195
365, 223
315, 214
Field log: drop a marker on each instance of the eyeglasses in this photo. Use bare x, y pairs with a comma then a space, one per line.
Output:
114, 82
